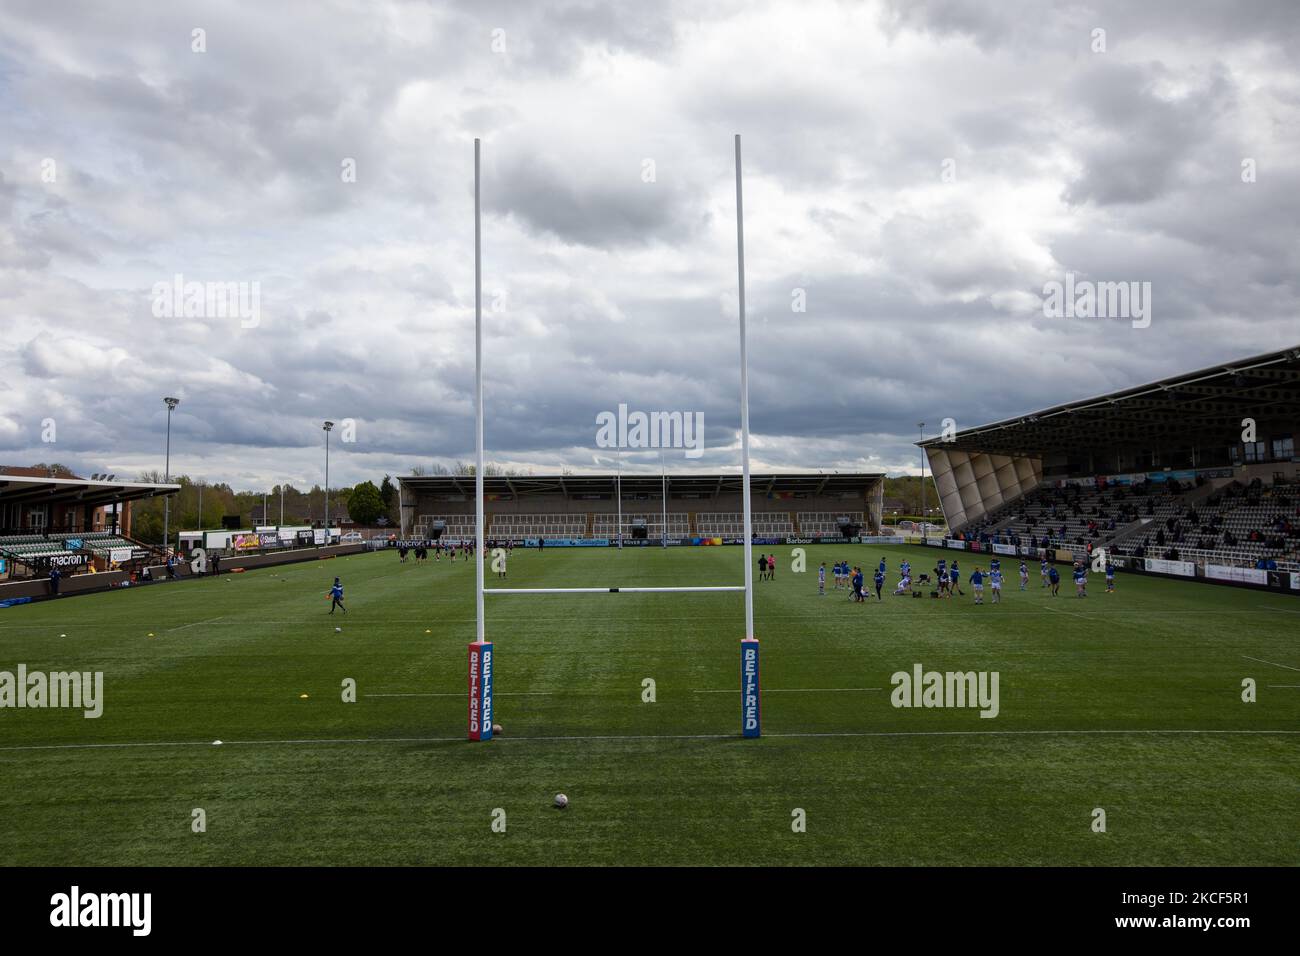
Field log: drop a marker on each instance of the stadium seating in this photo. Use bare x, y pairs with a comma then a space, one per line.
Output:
679, 525
458, 527
1236, 524
827, 523
517, 526
731, 524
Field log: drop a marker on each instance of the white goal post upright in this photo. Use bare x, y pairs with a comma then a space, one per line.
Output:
750, 698
744, 403
480, 652
478, 395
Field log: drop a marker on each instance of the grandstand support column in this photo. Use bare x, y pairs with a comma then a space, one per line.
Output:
921, 427
401, 513
663, 494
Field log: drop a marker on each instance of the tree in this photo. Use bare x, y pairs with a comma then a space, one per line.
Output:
365, 503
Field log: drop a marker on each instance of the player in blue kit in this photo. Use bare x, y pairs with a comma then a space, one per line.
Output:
976, 582
1080, 581
954, 578
336, 597
1110, 576
1054, 580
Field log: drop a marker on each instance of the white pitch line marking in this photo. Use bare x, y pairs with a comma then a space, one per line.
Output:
1273, 663
182, 627
793, 690
528, 693
589, 737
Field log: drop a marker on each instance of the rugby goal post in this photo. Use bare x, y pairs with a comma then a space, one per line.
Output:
481, 650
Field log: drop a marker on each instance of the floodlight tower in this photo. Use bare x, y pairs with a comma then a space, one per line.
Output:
167, 474
328, 426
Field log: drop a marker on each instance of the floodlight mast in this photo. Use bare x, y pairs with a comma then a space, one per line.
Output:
478, 399
744, 404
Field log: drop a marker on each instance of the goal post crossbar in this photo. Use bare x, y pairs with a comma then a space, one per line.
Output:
616, 590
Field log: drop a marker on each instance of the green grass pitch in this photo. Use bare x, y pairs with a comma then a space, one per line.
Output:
1091, 690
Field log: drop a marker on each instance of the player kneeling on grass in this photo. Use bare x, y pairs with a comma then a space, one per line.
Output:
977, 585
336, 595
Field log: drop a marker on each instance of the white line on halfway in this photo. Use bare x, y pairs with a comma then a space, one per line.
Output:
1273, 663
810, 735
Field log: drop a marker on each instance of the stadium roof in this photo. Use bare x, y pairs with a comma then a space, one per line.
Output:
641, 482
1205, 407
30, 489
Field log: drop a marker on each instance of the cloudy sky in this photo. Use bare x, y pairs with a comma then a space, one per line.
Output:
915, 172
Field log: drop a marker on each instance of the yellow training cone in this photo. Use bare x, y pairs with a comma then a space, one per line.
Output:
302, 696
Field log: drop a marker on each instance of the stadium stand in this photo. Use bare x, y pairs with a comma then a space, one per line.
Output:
698, 505
1186, 485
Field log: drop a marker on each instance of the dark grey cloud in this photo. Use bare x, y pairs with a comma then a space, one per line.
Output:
601, 288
